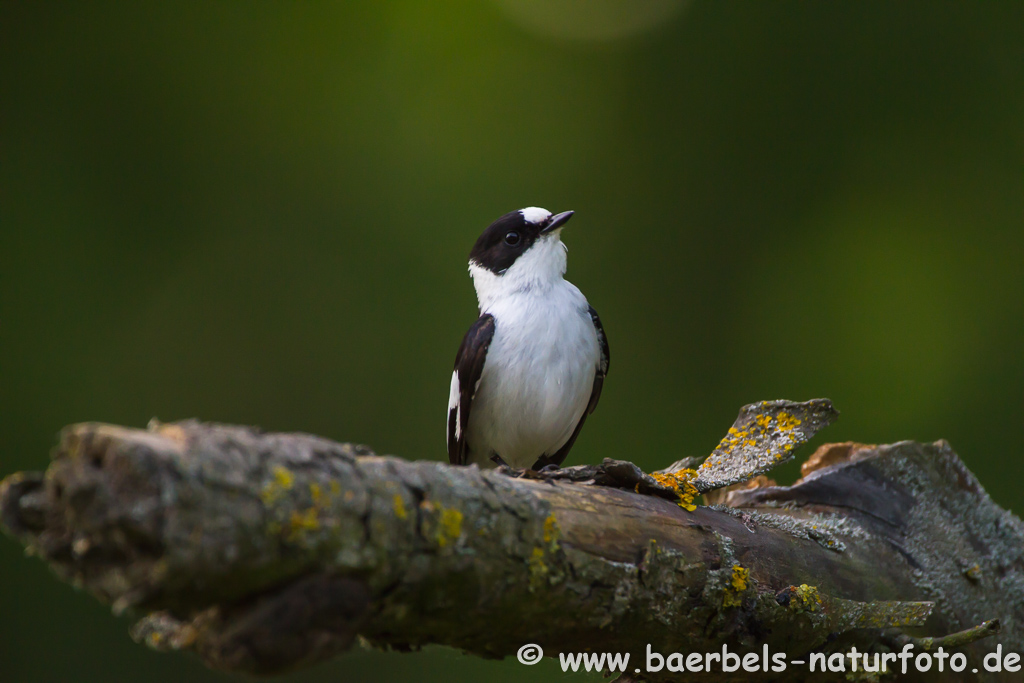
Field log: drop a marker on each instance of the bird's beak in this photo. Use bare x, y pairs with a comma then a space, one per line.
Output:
557, 221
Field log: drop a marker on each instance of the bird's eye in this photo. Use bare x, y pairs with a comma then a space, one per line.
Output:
512, 238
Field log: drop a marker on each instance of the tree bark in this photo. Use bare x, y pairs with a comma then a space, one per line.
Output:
264, 552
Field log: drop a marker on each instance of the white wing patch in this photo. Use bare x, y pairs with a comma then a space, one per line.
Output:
535, 214
453, 403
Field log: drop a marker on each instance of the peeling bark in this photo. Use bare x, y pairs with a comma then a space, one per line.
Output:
264, 552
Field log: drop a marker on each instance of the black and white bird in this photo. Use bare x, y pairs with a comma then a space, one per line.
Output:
531, 368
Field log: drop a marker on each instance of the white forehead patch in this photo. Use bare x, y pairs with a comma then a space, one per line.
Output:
535, 214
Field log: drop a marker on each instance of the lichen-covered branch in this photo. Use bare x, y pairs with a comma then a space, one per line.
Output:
263, 552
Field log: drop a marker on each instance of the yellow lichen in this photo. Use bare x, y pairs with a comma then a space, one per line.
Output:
301, 522
682, 483
399, 506
538, 568
449, 526
787, 422
282, 482
551, 530
763, 421
734, 439
283, 477
733, 594
315, 493
335, 488
739, 577
805, 598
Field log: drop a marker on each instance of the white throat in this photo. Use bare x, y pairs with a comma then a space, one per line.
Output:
540, 268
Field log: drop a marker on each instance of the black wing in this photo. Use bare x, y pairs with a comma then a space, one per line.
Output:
469, 364
595, 395
602, 365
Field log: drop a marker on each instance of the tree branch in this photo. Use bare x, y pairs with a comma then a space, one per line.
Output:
263, 552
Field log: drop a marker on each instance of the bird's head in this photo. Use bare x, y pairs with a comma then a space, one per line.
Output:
520, 250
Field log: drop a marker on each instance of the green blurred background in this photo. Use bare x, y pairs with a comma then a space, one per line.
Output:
260, 213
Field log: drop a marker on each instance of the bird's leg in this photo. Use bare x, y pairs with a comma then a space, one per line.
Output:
545, 465
508, 470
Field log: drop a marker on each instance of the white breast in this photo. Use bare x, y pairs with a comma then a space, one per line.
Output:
537, 378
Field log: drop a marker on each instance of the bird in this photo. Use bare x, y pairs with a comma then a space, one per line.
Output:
531, 368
